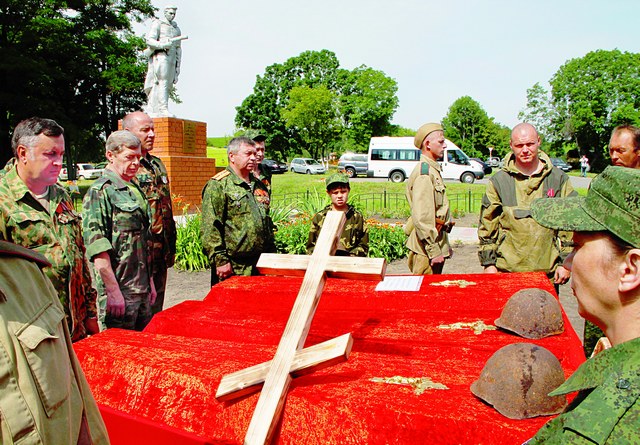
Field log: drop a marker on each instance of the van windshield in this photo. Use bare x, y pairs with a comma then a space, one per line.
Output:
457, 157
312, 162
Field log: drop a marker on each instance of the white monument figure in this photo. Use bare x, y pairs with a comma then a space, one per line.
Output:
164, 53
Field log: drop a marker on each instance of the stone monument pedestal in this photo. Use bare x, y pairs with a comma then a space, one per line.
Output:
182, 146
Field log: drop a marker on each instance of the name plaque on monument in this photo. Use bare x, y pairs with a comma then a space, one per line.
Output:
189, 137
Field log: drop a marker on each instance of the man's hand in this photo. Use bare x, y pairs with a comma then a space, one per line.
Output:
491, 269
91, 326
437, 260
115, 303
152, 294
561, 275
224, 271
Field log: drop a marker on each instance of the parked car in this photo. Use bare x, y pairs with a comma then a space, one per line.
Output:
485, 167
494, 162
83, 171
275, 167
353, 164
562, 165
307, 165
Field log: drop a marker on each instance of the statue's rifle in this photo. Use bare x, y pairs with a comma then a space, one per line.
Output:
148, 52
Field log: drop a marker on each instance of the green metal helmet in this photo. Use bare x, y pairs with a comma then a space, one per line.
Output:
517, 379
532, 313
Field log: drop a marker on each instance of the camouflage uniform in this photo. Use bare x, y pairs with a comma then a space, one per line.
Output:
265, 176
55, 232
607, 407
354, 237
45, 397
116, 222
426, 193
7, 167
153, 179
509, 238
236, 227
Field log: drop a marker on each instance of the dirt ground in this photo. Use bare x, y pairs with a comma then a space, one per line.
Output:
195, 285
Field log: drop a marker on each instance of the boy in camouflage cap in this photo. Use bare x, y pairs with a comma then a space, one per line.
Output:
354, 240
605, 266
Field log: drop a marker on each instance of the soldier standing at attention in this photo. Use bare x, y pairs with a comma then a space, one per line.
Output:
236, 227
510, 239
153, 179
261, 171
37, 213
116, 227
45, 397
430, 220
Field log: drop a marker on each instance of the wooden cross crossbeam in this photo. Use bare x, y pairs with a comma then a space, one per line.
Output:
290, 357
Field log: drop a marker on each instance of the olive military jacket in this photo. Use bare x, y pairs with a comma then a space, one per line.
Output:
55, 232
607, 407
44, 391
115, 221
510, 238
265, 176
426, 193
236, 226
354, 240
153, 179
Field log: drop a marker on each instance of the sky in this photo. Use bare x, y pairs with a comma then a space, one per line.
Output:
437, 51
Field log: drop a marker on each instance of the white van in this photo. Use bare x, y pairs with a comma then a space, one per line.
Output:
396, 157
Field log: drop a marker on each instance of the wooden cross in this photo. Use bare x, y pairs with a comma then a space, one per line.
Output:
290, 357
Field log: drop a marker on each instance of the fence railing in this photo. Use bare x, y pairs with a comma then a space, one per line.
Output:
392, 202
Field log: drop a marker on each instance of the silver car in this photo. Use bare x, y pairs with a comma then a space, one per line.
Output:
307, 165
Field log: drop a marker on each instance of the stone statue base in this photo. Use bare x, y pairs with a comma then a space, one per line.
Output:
182, 146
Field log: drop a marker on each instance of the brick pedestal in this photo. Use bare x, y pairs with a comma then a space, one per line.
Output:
182, 146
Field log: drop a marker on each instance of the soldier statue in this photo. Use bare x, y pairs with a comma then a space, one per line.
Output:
164, 53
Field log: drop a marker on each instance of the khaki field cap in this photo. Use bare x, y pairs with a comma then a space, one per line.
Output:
612, 204
424, 131
337, 178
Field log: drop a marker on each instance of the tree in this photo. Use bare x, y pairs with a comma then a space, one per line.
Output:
72, 61
365, 100
589, 97
312, 113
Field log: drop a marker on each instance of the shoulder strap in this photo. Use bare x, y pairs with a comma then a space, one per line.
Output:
505, 186
554, 181
424, 168
11, 249
221, 175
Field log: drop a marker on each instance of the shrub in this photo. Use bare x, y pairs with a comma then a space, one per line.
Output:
386, 241
291, 237
189, 254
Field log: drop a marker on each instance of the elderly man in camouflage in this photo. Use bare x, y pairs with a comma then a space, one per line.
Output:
605, 266
37, 213
430, 219
510, 240
116, 221
153, 179
45, 397
236, 227
624, 146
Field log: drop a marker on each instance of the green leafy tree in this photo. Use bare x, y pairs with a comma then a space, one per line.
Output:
365, 100
74, 61
466, 125
590, 95
312, 113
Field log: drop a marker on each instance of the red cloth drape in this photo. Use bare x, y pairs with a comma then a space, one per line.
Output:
169, 374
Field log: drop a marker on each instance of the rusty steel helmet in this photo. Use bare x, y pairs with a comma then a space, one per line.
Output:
532, 313
517, 379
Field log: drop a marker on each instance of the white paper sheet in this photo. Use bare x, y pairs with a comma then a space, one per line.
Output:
407, 283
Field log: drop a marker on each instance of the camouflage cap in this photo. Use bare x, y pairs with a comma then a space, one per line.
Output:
337, 178
424, 131
254, 135
612, 204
